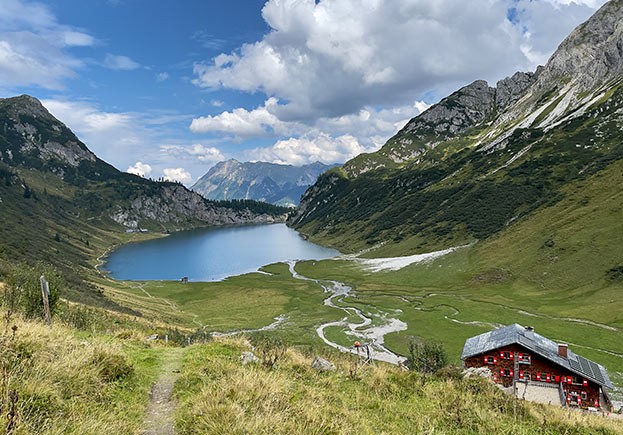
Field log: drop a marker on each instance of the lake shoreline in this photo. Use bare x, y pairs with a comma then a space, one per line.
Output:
208, 254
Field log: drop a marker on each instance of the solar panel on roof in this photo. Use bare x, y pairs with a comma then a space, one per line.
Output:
586, 368
575, 365
597, 372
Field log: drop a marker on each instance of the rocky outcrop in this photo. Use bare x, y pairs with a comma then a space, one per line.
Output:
580, 70
509, 90
453, 115
591, 55
176, 204
458, 112
31, 132
247, 358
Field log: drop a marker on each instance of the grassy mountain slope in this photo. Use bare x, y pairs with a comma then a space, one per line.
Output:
60, 204
217, 394
467, 194
483, 158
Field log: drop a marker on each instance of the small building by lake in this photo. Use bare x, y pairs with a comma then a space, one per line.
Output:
538, 368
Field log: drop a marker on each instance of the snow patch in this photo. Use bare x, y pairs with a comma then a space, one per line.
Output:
397, 263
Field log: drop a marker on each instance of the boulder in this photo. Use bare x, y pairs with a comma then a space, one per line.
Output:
480, 372
248, 358
322, 365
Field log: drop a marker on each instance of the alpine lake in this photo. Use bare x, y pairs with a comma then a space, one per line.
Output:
211, 254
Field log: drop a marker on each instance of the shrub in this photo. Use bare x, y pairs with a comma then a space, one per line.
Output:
112, 366
615, 274
270, 348
426, 357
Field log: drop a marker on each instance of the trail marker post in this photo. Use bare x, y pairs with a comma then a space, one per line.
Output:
45, 293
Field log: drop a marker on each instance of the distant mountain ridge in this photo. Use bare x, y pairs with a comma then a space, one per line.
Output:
261, 181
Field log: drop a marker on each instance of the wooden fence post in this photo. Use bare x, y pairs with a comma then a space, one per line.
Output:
45, 292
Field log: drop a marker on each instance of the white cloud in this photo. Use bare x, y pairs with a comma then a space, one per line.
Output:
331, 140
86, 117
178, 174
116, 137
121, 138
141, 169
342, 76
193, 152
77, 39
330, 58
161, 77
120, 63
299, 151
33, 46
241, 122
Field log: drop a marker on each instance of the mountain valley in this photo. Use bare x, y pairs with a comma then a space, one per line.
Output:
497, 205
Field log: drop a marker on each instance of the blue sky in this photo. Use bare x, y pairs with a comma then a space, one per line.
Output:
167, 89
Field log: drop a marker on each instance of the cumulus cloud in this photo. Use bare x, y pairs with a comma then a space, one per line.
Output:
321, 148
331, 69
330, 58
161, 77
141, 169
241, 122
178, 174
116, 137
120, 63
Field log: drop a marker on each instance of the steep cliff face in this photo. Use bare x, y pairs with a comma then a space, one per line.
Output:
484, 157
464, 112
175, 204
260, 181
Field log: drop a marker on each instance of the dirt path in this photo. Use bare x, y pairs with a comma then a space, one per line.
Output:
159, 419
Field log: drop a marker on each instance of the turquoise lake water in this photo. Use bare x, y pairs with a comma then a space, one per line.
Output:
212, 254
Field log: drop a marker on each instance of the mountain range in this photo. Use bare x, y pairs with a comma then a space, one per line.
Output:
485, 160
61, 204
268, 182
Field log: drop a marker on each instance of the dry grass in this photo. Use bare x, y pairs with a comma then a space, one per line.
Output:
67, 384
219, 395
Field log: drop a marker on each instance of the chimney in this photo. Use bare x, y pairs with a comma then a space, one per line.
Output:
562, 350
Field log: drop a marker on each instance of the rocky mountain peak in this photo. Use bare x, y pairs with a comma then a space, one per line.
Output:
459, 111
592, 54
511, 89
26, 105
34, 136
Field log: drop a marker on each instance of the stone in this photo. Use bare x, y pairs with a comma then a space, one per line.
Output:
248, 358
322, 365
477, 372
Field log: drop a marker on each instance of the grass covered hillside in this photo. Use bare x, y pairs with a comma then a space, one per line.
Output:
91, 380
217, 394
61, 205
456, 192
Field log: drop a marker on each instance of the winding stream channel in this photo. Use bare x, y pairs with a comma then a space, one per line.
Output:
371, 335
